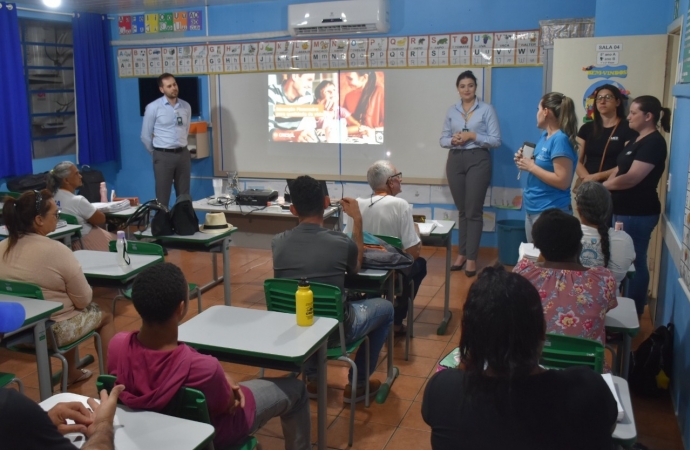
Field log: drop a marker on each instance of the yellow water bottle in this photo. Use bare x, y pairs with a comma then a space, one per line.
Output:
304, 302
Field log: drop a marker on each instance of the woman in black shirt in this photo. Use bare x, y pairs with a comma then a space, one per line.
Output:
499, 396
601, 140
633, 185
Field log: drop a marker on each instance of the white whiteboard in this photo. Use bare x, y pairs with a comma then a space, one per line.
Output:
416, 101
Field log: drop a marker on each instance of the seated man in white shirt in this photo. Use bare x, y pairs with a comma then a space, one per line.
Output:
385, 214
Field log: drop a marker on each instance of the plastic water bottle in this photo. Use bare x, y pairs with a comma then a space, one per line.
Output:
104, 192
121, 245
304, 304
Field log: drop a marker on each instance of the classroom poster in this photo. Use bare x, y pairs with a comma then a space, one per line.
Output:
506, 198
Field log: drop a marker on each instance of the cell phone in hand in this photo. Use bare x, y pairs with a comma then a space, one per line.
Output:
528, 150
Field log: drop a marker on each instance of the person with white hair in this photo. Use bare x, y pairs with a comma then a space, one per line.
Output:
385, 214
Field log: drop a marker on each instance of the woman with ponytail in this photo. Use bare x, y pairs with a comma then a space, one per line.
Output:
633, 185
63, 182
550, 171
602, 246
365, 101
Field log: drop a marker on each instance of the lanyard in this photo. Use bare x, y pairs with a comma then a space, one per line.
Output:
467, 116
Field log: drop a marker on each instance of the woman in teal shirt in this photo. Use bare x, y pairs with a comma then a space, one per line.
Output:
551, 169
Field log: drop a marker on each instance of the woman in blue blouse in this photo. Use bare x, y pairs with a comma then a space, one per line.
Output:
469, 131
551, 169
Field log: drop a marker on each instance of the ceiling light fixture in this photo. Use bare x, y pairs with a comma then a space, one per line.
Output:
52, 3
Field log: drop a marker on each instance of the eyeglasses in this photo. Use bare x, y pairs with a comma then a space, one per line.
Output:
605, 98
397, 176
57, 214
39, 200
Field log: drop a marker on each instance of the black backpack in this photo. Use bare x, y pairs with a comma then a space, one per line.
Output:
184, 219
30, 182
652, 363
91, 184
161, 225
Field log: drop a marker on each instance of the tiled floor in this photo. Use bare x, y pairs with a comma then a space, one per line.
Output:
397, 424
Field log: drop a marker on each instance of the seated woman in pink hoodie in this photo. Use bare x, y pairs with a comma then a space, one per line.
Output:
154, 365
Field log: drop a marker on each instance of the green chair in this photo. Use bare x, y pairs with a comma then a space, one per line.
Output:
28, 290
187, 404
147, 248
72, 220
7, 378
4, 194
562, 351
397, 243
328, 302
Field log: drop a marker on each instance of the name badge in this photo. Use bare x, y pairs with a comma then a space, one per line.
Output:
465, 130
614, 138
179, 121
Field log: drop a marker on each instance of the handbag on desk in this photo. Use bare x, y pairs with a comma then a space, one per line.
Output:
161, 225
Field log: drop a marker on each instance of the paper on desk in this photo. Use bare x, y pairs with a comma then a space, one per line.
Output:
609, 381
112, 206
426, 228
528, 251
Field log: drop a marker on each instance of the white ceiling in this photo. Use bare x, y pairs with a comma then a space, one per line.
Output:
127, 6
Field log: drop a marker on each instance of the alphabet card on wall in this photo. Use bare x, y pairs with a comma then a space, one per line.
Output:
397, 52
418, 51
184, 60
378, 48
439, 50
200, 58
460, 49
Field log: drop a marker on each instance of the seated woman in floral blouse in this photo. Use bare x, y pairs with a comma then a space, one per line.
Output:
575, 298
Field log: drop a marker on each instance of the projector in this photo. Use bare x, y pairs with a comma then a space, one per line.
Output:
256, 197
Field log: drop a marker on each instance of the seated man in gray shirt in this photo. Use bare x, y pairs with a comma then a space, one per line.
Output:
321, 255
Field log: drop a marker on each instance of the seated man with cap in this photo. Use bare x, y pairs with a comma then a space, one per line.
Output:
23, 424
324, 256
385, 214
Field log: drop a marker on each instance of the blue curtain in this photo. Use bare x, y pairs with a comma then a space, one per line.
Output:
98, 137
15, 131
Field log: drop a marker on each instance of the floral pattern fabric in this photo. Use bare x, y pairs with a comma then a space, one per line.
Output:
575, 302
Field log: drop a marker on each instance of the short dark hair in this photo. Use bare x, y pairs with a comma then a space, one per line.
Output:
557, 235
307, 196
158, 291
466, 74
163, 77
502, 325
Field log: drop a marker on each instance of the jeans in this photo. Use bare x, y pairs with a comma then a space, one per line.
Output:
417, 272
531, 219
372, 317
640, 230
287, 398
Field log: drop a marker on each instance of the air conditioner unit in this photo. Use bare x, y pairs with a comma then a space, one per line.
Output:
340, 17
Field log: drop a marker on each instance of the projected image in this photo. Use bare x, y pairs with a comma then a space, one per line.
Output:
326, 107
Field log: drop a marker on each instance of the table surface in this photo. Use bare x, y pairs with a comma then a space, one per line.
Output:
198, 238
136, 429
125, 213
35, 309
623, 317
253, 332
67, 229
104, 264
625, 428
202, 205
442, 228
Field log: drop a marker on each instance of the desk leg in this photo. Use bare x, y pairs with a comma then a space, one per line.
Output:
226, 270
393, 371
625, 359
446, 302
45, 387
321, 397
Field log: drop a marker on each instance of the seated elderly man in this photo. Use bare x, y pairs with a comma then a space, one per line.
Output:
385, 214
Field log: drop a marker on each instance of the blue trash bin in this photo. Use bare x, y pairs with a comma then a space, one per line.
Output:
511, 233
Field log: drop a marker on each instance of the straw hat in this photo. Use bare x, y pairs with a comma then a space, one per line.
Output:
215, 223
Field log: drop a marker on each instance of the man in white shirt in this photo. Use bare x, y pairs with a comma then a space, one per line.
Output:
385, 214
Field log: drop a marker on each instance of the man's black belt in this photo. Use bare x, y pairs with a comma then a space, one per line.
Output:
170, 150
